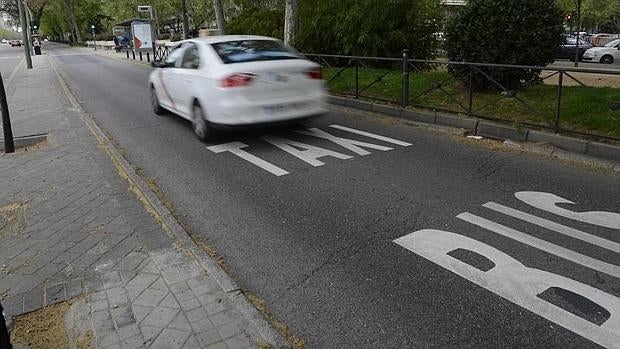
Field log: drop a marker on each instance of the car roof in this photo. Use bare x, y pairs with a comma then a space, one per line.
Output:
224, 38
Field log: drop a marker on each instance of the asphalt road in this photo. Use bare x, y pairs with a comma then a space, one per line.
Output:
9, 58
317, 244
586, 65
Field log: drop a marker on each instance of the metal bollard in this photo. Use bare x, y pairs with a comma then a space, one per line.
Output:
405, 81
140, 56
148, 57
127, 54
133, 53
9, 146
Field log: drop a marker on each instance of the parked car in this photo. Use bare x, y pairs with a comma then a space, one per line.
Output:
235, 80
567, 49
16, 43
607, 54
5, 41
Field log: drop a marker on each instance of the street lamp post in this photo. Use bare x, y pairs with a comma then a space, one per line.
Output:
92, 27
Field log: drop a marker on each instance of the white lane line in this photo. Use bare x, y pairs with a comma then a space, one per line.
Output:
11, 57
548, 201
559, 228
310, 154
543, 245
235, 148
372, 135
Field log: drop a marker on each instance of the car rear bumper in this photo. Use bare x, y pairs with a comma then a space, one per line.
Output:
241, 113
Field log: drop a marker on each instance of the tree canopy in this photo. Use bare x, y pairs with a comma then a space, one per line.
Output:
524, 32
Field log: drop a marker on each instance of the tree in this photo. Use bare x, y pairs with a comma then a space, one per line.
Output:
523, 32
219, 16
258, 17
369, 27
290, 21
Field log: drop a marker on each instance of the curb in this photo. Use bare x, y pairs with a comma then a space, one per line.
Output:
488, 129
25, 141
180, 236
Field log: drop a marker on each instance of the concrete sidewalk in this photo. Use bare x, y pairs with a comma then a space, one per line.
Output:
71, 231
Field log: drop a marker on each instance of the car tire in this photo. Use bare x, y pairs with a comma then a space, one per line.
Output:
607, 59
202, 129
157, 108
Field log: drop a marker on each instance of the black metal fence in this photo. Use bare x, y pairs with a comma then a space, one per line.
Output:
575, 101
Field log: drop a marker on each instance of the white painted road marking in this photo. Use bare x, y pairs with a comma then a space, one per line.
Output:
309, 155
547, 202
543, 245
350, 144
235, 148
372, 135
559, 228
517, 283
306, 152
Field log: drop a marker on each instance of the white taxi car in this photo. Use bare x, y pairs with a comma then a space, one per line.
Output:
607, 54
236, 80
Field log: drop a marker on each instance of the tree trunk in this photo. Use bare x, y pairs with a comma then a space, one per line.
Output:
578, 3
185, 19
290, 21
219, 16
75, 31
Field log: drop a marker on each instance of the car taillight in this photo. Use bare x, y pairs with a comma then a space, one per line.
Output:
237, 80
314, 74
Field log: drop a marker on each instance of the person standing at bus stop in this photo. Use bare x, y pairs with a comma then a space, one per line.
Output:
36, 44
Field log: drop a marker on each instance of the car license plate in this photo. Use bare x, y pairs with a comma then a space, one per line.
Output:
283, 108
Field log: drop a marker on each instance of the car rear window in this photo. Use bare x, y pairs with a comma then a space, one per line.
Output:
241, 51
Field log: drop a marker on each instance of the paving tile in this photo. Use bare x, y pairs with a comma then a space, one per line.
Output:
134, 342
170, 338
216, 307
180, 323
142, 280
140, 312
160, 317
179, 286
202, 325
128, 331
238, 342
151, 297
169, 301
229, 330
196, 314
209, 337
192, 343
218, 345
112, 279
150, 333
190, 304
220, 319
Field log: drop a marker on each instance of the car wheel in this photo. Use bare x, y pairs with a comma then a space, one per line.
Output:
607, 59
157, 108
202, 130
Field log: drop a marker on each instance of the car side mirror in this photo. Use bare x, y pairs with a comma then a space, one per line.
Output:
158, 64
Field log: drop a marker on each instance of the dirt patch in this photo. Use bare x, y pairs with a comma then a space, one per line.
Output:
284, 330
12, 219
588, 79
43, 328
